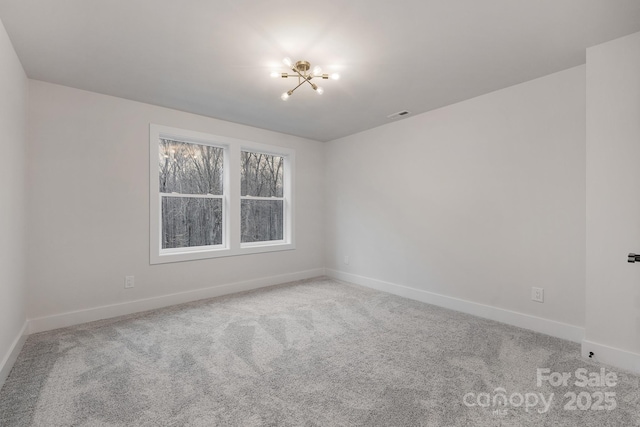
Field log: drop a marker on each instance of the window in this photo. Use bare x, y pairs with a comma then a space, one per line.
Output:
214, 196
262, 208
191, 193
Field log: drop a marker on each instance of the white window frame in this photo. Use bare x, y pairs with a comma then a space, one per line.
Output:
231, 198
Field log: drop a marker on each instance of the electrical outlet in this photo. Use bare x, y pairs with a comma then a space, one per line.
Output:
129, 282
346, 259
537, 294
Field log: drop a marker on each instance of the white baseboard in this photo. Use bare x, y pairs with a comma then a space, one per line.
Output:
612, 356
71, 318
526, 321
11, 356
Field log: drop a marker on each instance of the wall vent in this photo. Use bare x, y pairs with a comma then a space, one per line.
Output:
398, 114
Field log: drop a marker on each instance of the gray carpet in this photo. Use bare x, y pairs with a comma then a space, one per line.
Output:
312, 353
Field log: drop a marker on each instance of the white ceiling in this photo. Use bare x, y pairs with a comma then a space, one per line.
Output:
214, 57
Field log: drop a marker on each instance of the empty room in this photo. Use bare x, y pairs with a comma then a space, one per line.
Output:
340, 213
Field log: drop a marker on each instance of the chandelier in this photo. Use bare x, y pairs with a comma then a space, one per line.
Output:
301, 72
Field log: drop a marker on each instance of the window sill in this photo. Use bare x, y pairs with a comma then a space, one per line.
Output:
197, 254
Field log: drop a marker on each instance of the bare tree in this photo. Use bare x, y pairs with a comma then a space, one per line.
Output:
262, 176
190, 169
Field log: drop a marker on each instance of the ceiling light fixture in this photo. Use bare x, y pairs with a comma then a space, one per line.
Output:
301, 70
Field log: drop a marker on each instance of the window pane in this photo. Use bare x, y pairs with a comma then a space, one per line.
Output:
262, 220
261, 175
190, 168
188, 221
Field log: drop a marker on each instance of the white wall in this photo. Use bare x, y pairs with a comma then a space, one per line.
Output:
13, 131
89, 208
613, 201
480, 200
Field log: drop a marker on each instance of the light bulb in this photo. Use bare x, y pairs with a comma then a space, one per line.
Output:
320, 90
284, 96
287, 62
275, 74
335, 76
317, 71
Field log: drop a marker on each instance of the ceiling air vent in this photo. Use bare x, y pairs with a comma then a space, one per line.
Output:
398, 114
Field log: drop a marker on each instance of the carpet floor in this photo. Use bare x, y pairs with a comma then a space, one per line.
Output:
311, 353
